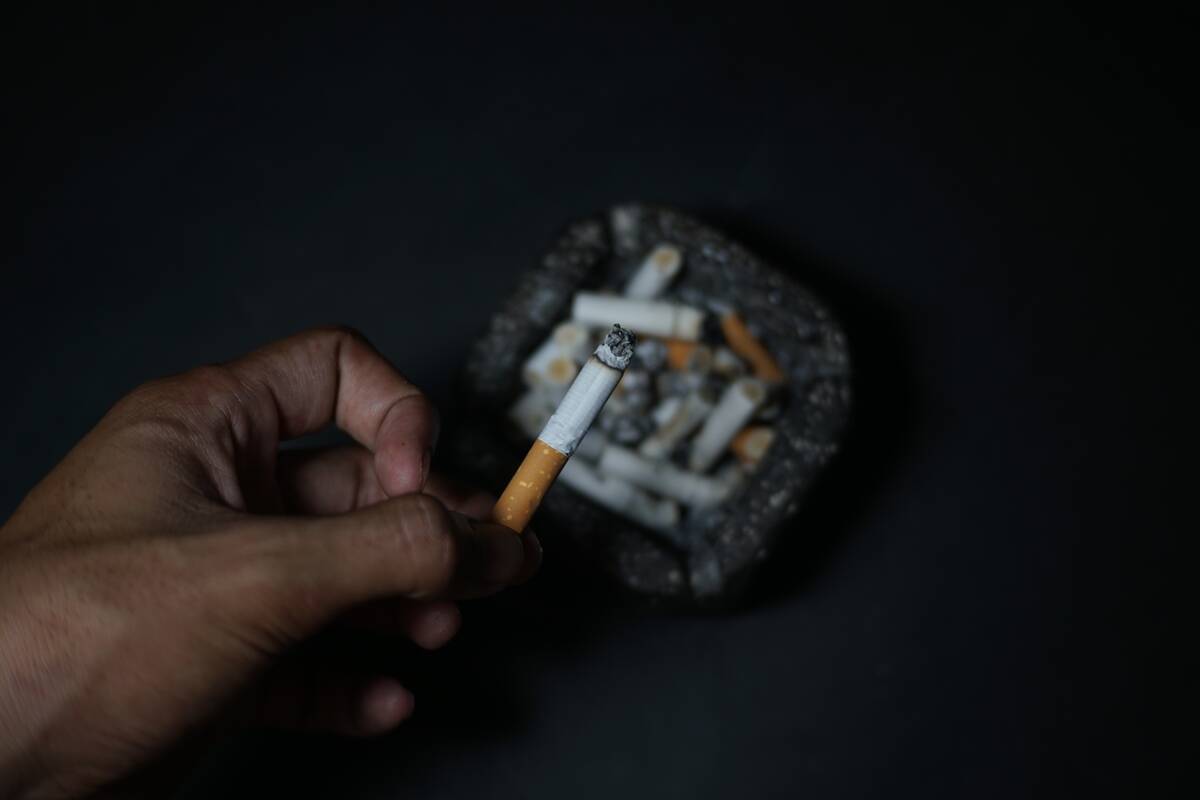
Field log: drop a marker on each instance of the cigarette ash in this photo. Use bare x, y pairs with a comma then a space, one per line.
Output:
733, 402
617, 348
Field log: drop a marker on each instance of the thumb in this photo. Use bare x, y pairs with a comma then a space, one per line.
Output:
310, 569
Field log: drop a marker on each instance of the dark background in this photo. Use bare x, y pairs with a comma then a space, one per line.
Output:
979, 598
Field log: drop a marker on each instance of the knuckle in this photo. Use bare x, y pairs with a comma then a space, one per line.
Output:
430, 547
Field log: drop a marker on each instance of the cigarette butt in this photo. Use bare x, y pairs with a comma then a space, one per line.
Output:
655, 273
528, 486
742, 342
666, 409
564, 430
688, 356
751, 443
735, 408
530, 413
621, 497
726, 363
687, 416
553, 365
662, 478
649, 317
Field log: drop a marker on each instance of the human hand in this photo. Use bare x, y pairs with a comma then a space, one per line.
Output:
158, 571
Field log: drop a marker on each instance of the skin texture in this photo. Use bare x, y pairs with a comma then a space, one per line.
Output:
150, 584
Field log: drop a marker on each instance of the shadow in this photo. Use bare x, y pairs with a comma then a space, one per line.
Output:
883, 417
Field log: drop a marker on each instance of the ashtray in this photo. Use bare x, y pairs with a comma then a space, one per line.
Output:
710, 555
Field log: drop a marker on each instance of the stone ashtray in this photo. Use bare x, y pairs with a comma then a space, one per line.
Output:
714, 554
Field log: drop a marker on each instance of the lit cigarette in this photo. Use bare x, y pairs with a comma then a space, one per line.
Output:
688, 413
620, 496
656, 273
735, 408
663, 478
742, 342
564, 430
751, 444
649, 317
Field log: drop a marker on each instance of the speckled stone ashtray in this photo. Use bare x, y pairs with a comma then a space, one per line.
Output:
714, 555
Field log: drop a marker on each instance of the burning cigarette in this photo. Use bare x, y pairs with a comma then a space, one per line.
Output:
751, 444
742, 342
656, 273
663, 478
650, 317
689, 412
620, 496
735, 408
564, 430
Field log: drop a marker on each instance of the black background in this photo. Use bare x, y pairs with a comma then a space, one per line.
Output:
977, 601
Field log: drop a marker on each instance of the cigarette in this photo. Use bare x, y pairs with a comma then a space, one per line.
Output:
564, 430
530, 413
656, 273
649, 317
591, 446
663, 478
666, 409
726, 363
620, 496
735, 408
689, 356
688, 413
554, 364
742, 342
751, 444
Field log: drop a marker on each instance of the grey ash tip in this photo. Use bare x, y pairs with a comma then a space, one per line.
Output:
617, 348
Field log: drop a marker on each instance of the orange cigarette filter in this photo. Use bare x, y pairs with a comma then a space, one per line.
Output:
528, 486
751, 444
742, 342
679, 353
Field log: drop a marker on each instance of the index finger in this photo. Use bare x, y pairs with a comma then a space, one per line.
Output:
300, 384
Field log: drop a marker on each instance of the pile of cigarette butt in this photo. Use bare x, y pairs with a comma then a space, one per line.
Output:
693, 414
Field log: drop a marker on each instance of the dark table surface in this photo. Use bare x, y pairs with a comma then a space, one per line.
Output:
978, 600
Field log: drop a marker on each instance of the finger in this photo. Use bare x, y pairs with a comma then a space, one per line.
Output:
428, 623
284, 577
478, 504
305, 698
475, 503
302, 383
331, 480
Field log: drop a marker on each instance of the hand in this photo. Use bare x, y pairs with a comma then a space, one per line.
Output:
159, 570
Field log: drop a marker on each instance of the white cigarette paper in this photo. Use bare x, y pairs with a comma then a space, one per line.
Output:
656, 273
587, 395
663, 478
688, 414
620, 496
650, 317
735, 408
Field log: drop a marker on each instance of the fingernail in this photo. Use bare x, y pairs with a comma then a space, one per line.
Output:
533, 557
494, 555
426, 461
506, 556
